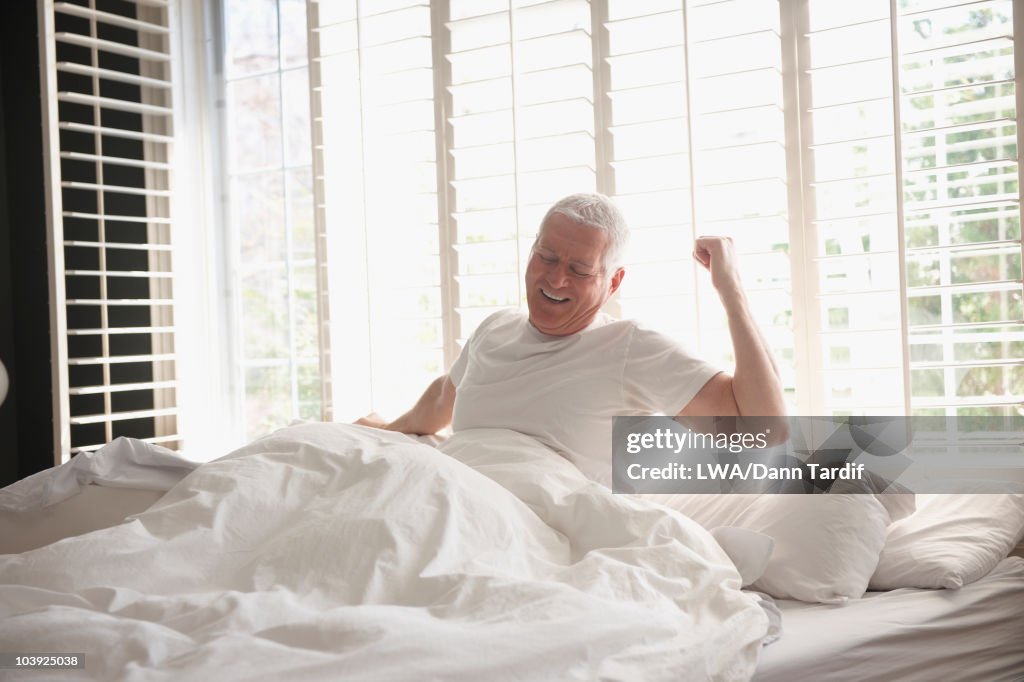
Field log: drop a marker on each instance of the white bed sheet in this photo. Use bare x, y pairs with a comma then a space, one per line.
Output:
974, 633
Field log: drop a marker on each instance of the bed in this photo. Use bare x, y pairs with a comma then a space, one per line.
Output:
342, 552
973, 633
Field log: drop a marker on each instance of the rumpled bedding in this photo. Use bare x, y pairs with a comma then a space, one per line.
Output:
333, 551
123, 463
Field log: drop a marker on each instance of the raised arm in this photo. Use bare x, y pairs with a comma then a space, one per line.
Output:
755, 388
431, 413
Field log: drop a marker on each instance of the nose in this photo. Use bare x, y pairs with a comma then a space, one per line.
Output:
557, 276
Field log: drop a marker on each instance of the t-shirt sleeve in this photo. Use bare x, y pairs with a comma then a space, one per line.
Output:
660, 375
458, 368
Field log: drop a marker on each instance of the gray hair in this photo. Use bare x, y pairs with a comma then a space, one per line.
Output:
599, 212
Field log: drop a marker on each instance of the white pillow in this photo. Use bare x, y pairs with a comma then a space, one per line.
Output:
897, 499
826, 546
951, 541
748, 550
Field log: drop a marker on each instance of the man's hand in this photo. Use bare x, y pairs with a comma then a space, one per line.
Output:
373, 419
718, 256
431, 413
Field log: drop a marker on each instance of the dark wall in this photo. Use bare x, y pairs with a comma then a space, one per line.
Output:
8, 429
26, 432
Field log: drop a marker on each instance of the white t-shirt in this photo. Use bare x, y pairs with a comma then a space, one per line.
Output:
564, 390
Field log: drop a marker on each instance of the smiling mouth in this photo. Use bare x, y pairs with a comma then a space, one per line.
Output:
554, 299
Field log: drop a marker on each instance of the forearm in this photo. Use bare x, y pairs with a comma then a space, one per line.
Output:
757, 385
431, 413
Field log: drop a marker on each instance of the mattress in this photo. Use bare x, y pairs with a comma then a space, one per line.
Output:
974, 633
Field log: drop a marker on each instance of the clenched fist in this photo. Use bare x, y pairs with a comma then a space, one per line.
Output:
718, 256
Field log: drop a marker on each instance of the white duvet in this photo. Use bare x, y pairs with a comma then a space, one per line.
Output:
339, 552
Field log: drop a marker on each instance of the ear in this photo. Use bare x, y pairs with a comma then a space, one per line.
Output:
616, 280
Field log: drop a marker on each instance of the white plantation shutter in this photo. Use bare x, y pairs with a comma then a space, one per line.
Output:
961, 208
108, 133
739, 164
650, 161
861, 155
913, 198
375, 186
698, 148
520, 134
851, 218
442, 133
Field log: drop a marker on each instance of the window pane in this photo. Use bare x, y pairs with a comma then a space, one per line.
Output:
1000, 380
293, 33
298, 148
963, 226
251, 37
300, 213
305, 319
972, 63
257, 216
267, 400
254, 133
270, 193
955, 25
308, 376
265, 313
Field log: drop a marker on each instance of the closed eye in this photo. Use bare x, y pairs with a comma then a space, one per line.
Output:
576, 270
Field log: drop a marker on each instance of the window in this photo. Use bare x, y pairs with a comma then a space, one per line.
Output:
865, 163
270, 241
914, 217
377, 176
697, 146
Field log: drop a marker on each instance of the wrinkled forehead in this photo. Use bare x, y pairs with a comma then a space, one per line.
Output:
567, 237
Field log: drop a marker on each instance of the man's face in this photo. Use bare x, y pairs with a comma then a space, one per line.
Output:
566, 283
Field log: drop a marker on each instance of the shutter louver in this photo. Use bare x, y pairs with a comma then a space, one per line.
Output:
863, 156
933, 267
650, 161
106, 73
521, 126
739, 164
850, 190
697, 147
377, 204
961, 208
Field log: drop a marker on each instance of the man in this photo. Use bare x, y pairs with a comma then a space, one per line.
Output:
564, 369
